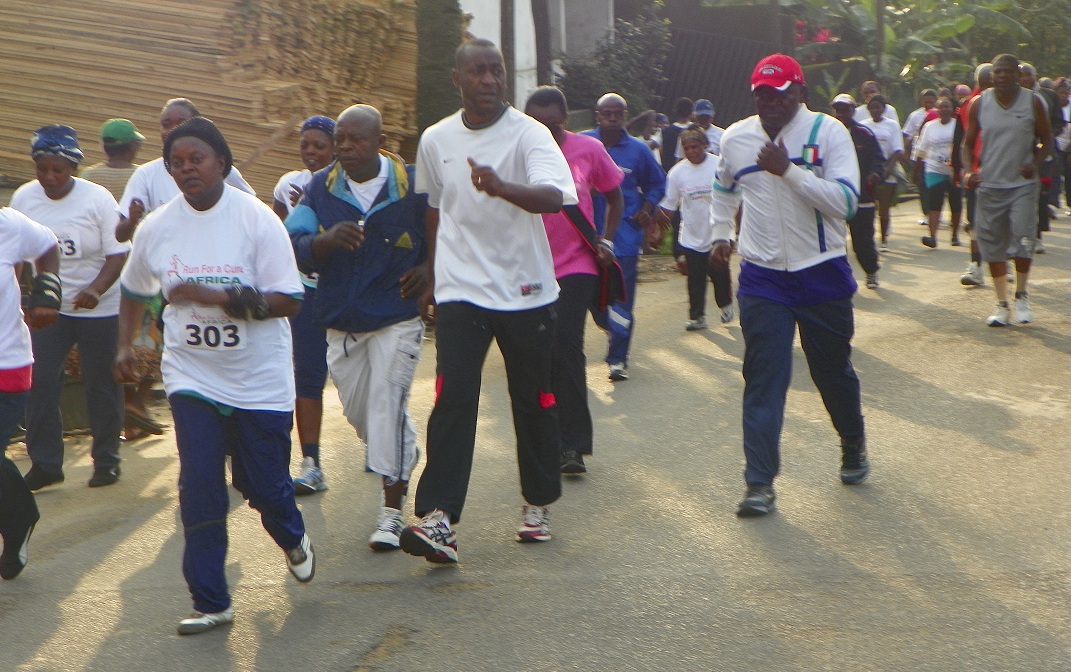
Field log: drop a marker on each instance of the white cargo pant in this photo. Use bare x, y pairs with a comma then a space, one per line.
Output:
373, 372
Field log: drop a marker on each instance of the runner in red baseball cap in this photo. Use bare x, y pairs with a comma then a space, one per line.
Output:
778, 71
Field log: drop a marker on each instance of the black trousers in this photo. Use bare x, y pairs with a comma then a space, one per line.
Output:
17, 504
463, 334
861, 226
699, 271
578, 295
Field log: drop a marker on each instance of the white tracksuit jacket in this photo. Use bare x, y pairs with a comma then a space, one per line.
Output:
797, 220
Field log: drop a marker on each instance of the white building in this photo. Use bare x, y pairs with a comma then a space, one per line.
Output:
575, 28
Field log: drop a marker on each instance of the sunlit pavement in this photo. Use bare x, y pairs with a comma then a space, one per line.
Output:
953, 556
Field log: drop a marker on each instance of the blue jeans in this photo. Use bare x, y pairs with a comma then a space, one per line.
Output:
259, 445
619, 344
826, 331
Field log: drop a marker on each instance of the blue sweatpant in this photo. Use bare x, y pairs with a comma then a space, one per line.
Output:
310, 349
769, 327
258, 443
621, 340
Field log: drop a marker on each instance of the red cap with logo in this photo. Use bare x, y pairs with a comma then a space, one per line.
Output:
778, 71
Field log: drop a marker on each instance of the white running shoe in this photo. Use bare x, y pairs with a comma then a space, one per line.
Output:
535, 526
197, 622
388, 528
696, 325
618, 372
973, 276
728, 314
1000, 316
871, 280
311, 479
1023, 314
301, 560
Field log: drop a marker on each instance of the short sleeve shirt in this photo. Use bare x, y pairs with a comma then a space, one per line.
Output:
84, 221
488, 251
238, 241
592, 168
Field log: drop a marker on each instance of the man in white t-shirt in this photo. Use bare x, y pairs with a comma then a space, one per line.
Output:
151, 185
489, 171
704, 118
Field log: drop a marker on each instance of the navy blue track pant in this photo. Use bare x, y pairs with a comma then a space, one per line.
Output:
258, 443
769, 328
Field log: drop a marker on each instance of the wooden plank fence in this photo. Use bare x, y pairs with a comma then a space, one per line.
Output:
252, 66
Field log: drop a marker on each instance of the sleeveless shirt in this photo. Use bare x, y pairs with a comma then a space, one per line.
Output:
1008, 138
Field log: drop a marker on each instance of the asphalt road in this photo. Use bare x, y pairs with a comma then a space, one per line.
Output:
953, 556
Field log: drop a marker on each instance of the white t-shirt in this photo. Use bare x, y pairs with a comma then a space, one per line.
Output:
242, 363
862, 114
281, 193
913, 123
935, 146
84, 221
1063, 140
488, 251
689, 188
286, 183
154, 186
889, 136
366, 192
21, 239
713, 134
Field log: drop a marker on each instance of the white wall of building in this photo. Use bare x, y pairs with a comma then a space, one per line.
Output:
487, 23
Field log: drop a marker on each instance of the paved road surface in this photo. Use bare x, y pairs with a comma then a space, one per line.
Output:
955, 554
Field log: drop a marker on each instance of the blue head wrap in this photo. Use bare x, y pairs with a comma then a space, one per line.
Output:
56, 141
319, 123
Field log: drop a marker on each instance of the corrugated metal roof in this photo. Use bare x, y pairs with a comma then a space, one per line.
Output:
716, 67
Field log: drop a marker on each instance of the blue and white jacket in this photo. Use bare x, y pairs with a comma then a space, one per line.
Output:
797, 220
359, 291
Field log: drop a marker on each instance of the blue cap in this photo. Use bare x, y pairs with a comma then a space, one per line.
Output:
704, 106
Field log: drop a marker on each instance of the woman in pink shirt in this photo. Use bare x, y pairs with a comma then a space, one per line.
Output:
576, 267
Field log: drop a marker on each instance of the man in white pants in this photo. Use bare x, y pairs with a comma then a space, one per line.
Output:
361, 226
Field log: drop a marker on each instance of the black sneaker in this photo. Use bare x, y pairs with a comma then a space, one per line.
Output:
37, 478
929, 241
104, 476
854, 465
573, 463
759, 501
22, 515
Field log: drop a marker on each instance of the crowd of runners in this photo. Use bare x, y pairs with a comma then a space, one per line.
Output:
509, 228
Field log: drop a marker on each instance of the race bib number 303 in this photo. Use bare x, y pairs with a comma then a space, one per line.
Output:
207, 329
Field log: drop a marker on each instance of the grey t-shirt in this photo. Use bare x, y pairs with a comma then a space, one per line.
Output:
1008, 137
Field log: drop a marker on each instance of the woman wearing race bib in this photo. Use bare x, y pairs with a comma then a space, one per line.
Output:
934, 163
224, 263
83, 216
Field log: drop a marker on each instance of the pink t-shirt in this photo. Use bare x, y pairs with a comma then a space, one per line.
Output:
592, 169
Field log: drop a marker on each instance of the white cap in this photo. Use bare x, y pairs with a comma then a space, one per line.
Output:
843, 98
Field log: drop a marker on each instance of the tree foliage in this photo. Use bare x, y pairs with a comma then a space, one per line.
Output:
628, 62
924, 43
439, 29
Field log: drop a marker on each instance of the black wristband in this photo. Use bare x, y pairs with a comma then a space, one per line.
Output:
46, 292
